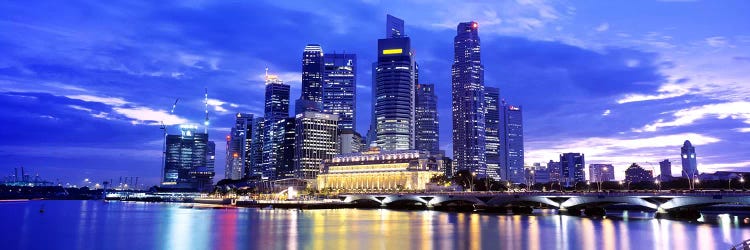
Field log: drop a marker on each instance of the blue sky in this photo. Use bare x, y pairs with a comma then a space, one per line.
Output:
84, 85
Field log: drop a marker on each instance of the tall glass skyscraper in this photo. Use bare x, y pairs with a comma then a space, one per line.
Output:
189, 159
468, 101
511, 143
311, 97
256, 148
317, 137
276, 110
394, 89
427, 127
492, 132
238, 147
572, 165
340, 88
689, 161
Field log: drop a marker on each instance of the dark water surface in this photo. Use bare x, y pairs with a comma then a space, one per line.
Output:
131, 225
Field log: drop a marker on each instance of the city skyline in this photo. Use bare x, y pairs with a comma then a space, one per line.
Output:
102, 104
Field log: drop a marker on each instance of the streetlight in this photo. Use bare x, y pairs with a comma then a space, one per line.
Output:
588, 186
697, 181
658, 184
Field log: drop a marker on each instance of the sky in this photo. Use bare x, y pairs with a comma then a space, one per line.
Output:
84, 85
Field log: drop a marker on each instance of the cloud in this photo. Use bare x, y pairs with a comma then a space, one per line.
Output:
683, 117
144, 115
606, 112
112, 101
666, 91
717, 41
602, 27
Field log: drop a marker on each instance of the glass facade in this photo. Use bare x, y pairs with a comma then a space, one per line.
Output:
427, 126
276, 111
571, 166
601, 172
189, 159
311, 97
689, 161
492, 132
317, 138
340, 88
238, 151
511, 144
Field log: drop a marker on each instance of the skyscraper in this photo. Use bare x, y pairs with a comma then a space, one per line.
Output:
601, 172
285, 160
316, 139
511, 143
238, 147
350, 142
340, 88
689, 163
665, 169
555, 171
636, 173
311, 97
492, 132
256, 149
572, 165
394, 109
189, 159
276, 110
427, 127
468, 102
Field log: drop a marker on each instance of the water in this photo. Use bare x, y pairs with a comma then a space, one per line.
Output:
131, 225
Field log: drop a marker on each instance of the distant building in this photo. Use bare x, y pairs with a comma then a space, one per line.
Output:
448, 169
572, 165
511, 143
689, 161
555, 171
350, 142
541, 175
376, 170
311, 96
285, 155
492, 131
601, 172
189, 160
256, 149
276, 111
665, 169
317, 138
427, 124
238, 148
636, 173
340, 88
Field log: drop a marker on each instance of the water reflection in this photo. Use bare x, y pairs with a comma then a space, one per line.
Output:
95, 225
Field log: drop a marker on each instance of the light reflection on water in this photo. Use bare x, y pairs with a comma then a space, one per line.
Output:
124, 225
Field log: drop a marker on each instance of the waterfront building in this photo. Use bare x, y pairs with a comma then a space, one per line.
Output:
394, 77
601, 172
665, 170
311, 96
276, 111
340, 88
541, 174
636, 173
555, 171
492, 131
571, 166
256, 149
689, 161
285, 155
317, 138
447, 167
468, 102
511, 143
378, 171
350, 141
427, 124
189, 159
238, 148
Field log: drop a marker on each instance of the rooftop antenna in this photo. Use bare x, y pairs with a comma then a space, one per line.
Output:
205, 123
266, 78
163, 127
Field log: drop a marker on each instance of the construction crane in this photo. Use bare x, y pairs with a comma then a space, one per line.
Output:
163, 127
205, 123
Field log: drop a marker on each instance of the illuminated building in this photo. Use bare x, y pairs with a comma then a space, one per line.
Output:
427, 127
276, 110
189, 160
340, 88
378, 171
665, 170
317, 137
601, 172
311, 96
238, 148
468, 102
394, 79
256, 149
636, 173
689, 162
350, 142
285, 158
555, 171
571, 166
511, 143
492, 132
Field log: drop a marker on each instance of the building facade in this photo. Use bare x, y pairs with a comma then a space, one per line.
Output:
555, 171
256, 149
238, 151
377, 171
689, 161
571, 166
276, 111
601, 172
665, 170
317, 138
427, 125
340, 88
511, 143
394, 78
636, 173
468, 102
189, 160
350, 142
311, 96
492, 131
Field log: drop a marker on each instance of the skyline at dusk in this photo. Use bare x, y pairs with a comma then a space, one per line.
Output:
84, 87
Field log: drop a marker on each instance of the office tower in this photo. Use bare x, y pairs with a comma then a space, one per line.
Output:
394, 98
689, 163
427, 128
317, 139
636, 173
238, 151
468, 102
572, 165
204, 175
665, 170
311, 97
189, 159
511, 143
340, 88
350, 142
601, 172
276, 110
555, 171
256, 149
394, 27
285, 158
492, 132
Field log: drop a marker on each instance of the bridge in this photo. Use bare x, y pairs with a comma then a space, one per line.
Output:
661, 202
